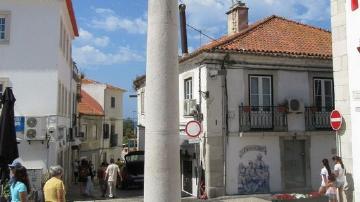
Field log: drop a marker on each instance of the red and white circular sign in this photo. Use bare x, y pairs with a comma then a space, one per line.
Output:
193, 128
335, 120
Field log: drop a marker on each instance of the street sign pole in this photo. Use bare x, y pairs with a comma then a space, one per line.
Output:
336, 123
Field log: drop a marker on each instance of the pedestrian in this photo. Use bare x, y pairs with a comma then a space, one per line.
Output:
339, 171
13, 166
331, 188
101, 177
83, 175
20, 186
324, 173
54, 189
76, 171
112, 172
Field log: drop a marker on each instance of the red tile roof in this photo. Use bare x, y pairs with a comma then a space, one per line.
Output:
72, 17
274, 36
89, 106
89, 81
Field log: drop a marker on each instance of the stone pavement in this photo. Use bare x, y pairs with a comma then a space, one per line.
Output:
136, 195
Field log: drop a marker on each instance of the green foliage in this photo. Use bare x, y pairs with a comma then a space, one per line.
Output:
6, 190
128, 130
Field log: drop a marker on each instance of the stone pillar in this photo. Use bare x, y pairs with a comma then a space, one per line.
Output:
162, 150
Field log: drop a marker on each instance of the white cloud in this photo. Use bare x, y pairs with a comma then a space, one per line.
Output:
210, 17
108, 20
87, 38
90, 56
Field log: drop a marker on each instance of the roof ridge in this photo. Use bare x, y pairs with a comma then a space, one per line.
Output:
303, 24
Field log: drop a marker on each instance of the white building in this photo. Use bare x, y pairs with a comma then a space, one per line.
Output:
345, 18
102, 139
263, 94
35, 55
139, 85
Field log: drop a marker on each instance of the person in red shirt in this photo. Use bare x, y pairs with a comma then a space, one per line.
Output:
102, 180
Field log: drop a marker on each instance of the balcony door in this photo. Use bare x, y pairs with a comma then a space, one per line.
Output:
323, 93
324, 102
261, 116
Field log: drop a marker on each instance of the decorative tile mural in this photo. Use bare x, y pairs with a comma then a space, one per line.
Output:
254, 173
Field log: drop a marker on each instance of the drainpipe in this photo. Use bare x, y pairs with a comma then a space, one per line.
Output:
225, 129
184, 43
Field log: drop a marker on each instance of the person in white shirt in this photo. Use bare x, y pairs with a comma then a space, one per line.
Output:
324, 173
111, 174
339, 171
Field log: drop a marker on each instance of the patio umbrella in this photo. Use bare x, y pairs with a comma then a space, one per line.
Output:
8, 144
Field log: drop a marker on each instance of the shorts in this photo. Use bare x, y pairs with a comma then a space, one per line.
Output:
339, 184
331, 196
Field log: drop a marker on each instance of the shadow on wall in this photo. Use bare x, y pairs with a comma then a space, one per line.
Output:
349, 190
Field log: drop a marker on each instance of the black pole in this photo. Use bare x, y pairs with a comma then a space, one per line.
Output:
184, 43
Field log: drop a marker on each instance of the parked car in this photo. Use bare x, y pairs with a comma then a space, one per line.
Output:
133, 171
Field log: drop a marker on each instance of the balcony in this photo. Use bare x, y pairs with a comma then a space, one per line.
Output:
261, 118
317, 118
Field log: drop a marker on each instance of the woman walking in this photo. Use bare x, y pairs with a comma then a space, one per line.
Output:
20, 186
339, 171
324, 173
54, 189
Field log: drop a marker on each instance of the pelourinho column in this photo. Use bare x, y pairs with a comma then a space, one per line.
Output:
162, 150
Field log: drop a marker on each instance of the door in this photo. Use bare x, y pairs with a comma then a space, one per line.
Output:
294, 164
187, 170
261, 116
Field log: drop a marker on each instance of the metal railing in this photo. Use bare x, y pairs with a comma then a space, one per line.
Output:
317, 118
263, 118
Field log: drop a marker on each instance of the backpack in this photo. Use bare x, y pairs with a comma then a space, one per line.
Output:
84, 172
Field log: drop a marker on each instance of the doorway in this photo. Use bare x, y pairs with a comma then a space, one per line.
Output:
187, 172
294, 164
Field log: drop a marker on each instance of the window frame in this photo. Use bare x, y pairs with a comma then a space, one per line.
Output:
323, 94
7, 16
260, 89
188, 95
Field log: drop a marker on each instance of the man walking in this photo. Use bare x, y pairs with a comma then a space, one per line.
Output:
112, 172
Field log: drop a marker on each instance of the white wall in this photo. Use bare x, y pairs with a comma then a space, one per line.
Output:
353, 41
271, 158
321, 146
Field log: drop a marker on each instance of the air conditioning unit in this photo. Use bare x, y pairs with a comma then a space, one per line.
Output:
189, 107
295, 105
35, 128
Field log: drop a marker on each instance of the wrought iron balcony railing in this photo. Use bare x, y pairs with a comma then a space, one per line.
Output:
317, 118
263, 118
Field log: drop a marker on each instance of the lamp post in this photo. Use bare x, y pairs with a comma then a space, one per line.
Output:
162, 158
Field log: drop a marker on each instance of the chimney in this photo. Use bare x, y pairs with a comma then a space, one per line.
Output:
237, 17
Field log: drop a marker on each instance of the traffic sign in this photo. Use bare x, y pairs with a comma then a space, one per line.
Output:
335, 120
193, 128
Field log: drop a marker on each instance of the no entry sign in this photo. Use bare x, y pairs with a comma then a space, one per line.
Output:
193, 128
335, 120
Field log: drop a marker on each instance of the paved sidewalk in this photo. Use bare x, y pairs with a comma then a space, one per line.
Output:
136, 195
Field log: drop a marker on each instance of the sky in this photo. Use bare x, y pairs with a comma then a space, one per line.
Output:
111, 47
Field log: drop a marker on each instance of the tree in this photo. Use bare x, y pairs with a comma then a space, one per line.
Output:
128, 130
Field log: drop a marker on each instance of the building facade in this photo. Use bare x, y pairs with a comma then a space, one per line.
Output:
102, 133
345, 16
139, 85
263, 94
36, 61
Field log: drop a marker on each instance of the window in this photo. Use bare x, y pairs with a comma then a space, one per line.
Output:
260, 91
112, 129
142, 100
83, 131
188, 95
323, 93
4, 26
94, 131
106, 131
112, 102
